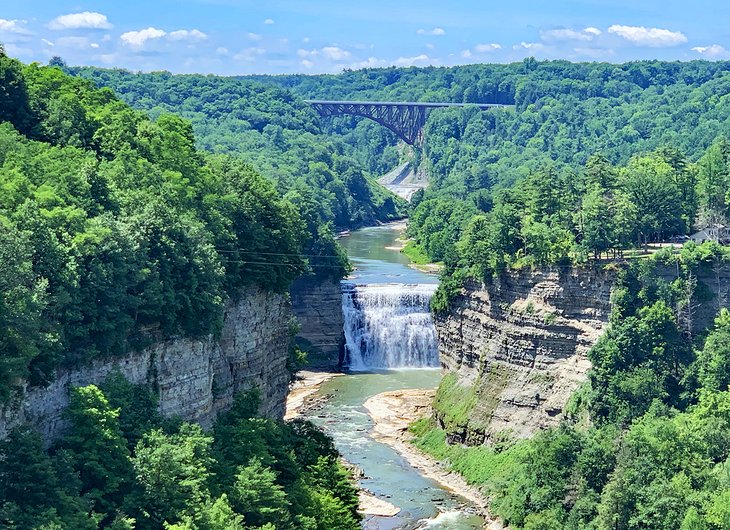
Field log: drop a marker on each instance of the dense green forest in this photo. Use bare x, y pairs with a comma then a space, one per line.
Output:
646, 441
278, 134
115, 229
566, 173
122, 222
123, 467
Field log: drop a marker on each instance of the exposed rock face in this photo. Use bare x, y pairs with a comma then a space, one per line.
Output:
318, 308
195, 378
518, 348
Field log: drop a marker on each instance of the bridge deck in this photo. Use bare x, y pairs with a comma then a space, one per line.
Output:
424, 104
407, 119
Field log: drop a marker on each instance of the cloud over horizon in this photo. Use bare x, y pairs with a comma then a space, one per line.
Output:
652, 37
84, 20
435, 32
563, 34
13, 26
715, 51
137, 40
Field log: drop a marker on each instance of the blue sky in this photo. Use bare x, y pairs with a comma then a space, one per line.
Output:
315, 36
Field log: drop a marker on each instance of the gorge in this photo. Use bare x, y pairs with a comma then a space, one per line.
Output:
174, 255
391, 345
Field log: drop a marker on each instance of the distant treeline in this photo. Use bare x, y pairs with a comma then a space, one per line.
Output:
278, 134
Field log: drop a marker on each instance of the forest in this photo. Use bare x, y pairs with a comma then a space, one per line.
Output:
594, 163
123, 467
592, 160
117, 231
277, 133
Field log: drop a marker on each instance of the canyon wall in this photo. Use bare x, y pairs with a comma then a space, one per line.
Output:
195, 378
317, 304
515, 350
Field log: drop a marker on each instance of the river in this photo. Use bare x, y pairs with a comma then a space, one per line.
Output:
423, 502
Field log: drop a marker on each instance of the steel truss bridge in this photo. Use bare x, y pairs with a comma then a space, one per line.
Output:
405, 119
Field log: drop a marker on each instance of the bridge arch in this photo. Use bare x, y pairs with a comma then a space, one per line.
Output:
405, 119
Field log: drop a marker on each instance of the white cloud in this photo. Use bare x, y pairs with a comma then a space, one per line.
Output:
13, 26
17, 51
532, 46
653, 37
430, 46
138, 39
268, 22
254, 36
47, 43
192, 35
569, 34
436, 32
306, 40
484, 48
307, 63
370, 62
411, 61
714, 51
108, 58
222, 51
335, 53
94, 45
466, 54
87, 19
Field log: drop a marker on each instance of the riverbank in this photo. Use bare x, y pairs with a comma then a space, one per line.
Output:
302, 398
392, 412
407, 247
302, 392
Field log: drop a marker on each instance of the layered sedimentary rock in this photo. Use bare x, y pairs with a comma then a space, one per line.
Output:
317, 304
516, 350
195, 378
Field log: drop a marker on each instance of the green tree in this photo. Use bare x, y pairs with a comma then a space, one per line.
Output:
173, 471
22, 300
650, 186
258, 497
97, 449
713, 361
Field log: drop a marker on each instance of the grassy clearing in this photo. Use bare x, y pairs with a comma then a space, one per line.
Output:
415, 254
483, 466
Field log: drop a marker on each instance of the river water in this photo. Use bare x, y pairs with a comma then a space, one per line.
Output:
423, 502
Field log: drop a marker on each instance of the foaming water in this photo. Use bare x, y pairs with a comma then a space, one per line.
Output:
389, 326
452, 519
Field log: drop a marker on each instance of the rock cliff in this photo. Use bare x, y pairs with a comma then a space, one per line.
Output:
195, 378
516, 351
318, 308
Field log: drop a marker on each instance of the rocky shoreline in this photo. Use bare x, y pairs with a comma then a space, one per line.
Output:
392, 412
302, 398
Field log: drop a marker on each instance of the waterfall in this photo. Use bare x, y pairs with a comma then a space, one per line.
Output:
389, 326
